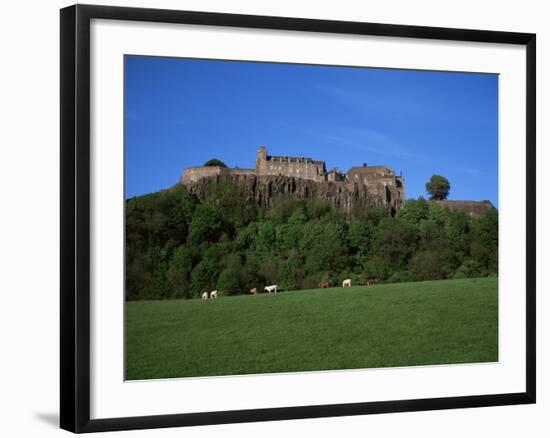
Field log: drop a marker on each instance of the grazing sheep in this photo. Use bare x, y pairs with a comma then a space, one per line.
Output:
213, 294
204, 295
324, 285
371, 281
346, 282
273, 288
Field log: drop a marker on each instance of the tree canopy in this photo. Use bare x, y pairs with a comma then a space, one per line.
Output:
215, 162
438, 187
178, 246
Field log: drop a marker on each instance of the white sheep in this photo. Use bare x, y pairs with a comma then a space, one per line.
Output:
273, 288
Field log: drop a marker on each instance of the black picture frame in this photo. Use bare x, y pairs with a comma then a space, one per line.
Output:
76, 210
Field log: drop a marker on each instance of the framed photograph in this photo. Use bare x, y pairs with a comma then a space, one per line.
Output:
268, 218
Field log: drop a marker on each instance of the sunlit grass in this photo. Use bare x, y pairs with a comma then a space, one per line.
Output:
405, 324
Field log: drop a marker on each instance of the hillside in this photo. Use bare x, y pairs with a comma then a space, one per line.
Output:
179, 246
421, 323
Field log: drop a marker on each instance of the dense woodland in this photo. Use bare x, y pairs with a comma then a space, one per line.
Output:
177, 247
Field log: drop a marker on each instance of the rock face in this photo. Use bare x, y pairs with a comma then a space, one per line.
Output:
471, 208
303, 177
266, 188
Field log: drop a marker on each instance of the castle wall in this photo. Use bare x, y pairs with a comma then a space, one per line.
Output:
369, 175
471, 208
297, 167
194, 174
242, 172
378, 184
381, 182
283, 166
334, 176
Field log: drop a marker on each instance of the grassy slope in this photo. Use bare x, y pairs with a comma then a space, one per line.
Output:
438, 322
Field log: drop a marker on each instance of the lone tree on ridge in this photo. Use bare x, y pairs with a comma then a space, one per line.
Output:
214, 162
438, 187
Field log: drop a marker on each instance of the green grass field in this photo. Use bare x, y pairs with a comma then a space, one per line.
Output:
404, 324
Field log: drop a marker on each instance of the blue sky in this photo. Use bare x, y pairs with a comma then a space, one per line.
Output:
182, 112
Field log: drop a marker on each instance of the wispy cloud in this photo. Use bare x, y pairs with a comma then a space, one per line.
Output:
367, 101
366, 140
400, 103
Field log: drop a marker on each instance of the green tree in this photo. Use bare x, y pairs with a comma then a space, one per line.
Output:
205, 274
231, 278
289, 234
292, 272
394, 241
155, 263
438, 187
432, 235
457, 228
468, 269
231, 202
438, 213
207, 225
179, 272
270, 268
285, 206
267, 236
484, 245
414, 211
139, 279
246, 236
316, 208
214, 162
360, 235
329, 252
376, 214
178, 208
428, 265
378, 267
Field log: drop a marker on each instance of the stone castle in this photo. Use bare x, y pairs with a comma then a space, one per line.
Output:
302, 177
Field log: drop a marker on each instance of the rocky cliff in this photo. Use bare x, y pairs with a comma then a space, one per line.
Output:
265, 188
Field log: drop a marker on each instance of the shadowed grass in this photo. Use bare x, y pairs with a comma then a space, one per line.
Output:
436, 322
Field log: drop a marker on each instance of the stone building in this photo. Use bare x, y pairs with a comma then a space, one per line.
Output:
298, 167
366, 186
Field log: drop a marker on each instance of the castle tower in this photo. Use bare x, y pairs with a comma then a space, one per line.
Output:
261, 159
